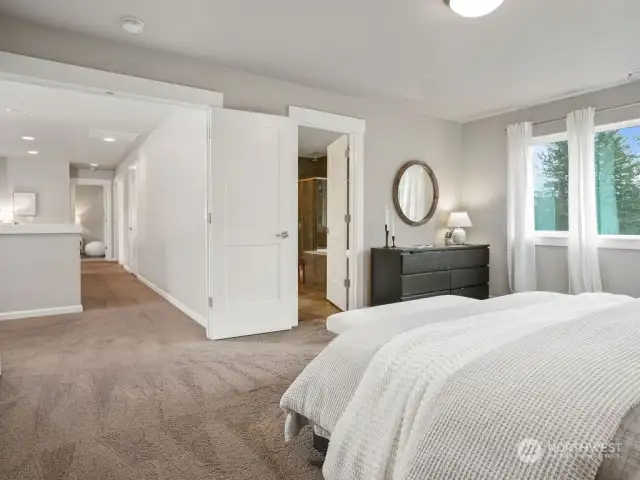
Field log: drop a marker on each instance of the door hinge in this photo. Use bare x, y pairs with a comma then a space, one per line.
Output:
347, 218
209, 218
347, 282
210, 302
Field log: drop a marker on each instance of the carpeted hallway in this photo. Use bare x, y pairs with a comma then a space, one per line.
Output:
130, 389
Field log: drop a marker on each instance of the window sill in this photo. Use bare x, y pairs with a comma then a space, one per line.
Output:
612, 242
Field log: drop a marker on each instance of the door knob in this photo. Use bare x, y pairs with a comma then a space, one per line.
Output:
283, 234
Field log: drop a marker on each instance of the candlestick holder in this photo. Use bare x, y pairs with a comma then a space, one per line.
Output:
393, 241
386, 236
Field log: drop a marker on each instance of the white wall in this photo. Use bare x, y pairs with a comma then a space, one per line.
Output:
394, 135
47, 178
171, 168
38, 272
86, 173
484, 190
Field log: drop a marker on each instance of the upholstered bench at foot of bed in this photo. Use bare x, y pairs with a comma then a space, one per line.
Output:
343, 321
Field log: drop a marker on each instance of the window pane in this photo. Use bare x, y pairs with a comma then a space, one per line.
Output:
551, 171
618, 181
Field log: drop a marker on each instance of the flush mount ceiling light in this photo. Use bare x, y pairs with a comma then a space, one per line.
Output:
28, 138
16, 110
473, 8
32, 152
133, 25
109, 139
93, 164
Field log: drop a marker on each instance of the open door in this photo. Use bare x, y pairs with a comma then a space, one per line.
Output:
338, 232
253, 234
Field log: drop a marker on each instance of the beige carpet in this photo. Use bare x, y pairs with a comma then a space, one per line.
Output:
131, 389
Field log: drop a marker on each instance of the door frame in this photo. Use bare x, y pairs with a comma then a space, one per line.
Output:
355, 128
107, 189
118, 219
37, 71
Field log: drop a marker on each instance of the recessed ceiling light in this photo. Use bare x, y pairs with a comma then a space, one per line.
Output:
16, 110
473, 8
109, 139
133, 25
27, 138
32, 152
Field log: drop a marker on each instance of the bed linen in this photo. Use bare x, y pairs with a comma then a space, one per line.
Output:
343, 321
321, 393
454, 399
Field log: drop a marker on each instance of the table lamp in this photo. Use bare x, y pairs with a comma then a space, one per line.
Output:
459, 221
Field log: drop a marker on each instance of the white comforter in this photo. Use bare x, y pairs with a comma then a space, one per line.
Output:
321, 393
378, 434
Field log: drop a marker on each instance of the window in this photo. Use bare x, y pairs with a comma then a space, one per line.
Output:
617, 157
551, 173
618, 181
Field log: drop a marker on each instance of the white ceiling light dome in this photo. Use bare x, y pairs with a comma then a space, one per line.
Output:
133, 25
473, 8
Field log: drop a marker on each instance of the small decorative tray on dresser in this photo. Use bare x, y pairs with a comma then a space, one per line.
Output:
403, 274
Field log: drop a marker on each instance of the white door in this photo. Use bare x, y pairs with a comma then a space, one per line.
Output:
337, 209
120, 224
253, 247
133, 219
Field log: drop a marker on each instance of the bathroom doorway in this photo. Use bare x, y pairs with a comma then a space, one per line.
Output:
323, 239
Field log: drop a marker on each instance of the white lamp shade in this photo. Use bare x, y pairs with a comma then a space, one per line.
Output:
474, 8
459, 219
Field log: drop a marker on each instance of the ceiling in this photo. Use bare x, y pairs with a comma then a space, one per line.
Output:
313, 142
72, 125
526, 52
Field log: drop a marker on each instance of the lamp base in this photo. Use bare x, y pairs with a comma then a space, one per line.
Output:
459, 236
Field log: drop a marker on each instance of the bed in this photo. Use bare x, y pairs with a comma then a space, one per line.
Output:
349, 403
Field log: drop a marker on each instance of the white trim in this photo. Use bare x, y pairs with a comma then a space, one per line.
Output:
35, 71
107, 191
355, 128
618, 125
40, 229
44, 312
606, 242
176, 303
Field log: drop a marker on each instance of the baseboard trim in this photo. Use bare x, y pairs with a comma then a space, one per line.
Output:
43, 312
176, 303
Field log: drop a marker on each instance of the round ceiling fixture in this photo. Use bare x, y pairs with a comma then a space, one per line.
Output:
16, 110
133, 25
473, 8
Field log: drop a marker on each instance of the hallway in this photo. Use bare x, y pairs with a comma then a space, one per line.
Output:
130, 389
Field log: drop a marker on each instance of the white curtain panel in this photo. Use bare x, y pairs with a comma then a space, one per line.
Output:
584, 267
521, 249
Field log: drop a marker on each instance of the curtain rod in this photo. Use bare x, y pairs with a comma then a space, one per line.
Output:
609, 109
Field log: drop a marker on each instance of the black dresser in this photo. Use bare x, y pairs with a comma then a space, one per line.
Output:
403, 274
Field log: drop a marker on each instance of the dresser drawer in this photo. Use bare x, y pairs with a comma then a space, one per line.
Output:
481, 292
425, 295
426, 262
425, 283
468, 277
476, 257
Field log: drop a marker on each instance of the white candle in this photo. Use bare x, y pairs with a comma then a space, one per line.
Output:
393, 227
386, 215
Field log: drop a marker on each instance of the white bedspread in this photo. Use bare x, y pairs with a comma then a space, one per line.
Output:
321, 393
392, 406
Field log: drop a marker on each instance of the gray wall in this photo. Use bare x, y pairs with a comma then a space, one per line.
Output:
484, 190
47, 178
90, 212
394, 133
